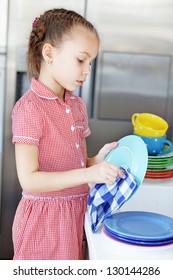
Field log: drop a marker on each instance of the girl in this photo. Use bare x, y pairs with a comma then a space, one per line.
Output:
49, 129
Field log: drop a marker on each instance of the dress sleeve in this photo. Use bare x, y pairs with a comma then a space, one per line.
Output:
27, 123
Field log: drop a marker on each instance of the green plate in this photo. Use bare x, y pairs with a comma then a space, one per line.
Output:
162, 156
159, 168
160, 163
159, 160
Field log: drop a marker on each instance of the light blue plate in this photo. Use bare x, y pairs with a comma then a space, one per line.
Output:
140, 226
131, 152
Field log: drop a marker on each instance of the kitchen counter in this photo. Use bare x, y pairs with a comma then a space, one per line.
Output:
152, 196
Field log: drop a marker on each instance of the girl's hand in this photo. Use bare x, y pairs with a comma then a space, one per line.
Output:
104, 151
103, 172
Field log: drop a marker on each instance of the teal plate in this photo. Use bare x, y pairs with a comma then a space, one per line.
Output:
131, 152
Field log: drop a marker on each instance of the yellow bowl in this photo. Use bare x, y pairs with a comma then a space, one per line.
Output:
151, 125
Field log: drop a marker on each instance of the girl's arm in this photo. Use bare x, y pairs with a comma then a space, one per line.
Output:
33, 180
101, 154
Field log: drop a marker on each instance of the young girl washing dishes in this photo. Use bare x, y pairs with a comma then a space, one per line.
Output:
49, 126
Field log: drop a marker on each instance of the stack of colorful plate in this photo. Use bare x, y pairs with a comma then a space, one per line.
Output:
160, 167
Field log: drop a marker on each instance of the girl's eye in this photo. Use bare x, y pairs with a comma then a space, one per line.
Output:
80, 60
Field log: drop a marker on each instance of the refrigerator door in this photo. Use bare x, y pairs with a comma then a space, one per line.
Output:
3, 25
2, 97
134, 67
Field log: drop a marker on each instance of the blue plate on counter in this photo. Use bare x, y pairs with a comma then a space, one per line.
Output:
131, 152
138, 242
140, 226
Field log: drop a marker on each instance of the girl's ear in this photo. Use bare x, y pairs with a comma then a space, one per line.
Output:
47, 52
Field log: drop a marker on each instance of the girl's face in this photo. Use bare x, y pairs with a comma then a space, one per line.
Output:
72, 61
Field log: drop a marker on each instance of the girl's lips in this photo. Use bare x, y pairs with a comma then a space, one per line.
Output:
80, 82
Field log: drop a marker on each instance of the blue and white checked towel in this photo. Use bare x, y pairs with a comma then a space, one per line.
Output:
104, 199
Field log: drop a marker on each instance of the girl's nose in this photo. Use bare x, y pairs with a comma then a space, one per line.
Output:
87, 70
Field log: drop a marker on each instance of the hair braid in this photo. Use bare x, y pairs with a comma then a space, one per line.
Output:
51, 28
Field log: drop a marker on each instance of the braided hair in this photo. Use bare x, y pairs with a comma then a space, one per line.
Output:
51, 27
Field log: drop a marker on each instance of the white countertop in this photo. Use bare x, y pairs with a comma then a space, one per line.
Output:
153, 196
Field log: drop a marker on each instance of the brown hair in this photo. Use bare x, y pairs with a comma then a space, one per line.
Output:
51, 28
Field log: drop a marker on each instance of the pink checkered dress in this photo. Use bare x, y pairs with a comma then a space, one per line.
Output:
50, 225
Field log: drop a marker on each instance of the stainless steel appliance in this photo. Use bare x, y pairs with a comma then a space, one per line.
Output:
133, 73
3, 46
134, 68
